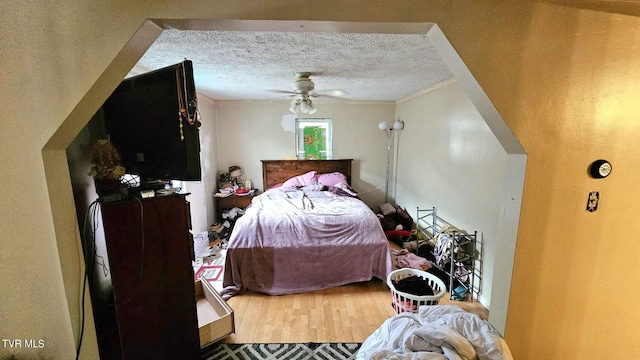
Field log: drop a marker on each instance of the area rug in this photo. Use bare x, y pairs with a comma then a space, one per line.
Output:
298, 351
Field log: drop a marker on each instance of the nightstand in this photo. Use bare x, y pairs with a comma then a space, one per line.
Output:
232, 201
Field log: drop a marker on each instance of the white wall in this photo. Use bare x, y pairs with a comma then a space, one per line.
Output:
263, 130
449, 158
201, 200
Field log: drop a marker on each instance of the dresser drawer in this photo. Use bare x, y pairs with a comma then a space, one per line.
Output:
215, 317
235, 201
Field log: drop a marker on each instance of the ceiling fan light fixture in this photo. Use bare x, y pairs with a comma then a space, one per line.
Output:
302, 104
294, 107
307, 106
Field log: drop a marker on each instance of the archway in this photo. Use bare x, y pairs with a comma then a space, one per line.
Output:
59, 184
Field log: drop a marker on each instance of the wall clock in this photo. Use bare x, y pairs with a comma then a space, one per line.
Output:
600, 169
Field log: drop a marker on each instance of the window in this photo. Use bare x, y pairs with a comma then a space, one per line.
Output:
313, 139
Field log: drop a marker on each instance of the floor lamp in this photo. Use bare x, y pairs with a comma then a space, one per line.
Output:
389, 131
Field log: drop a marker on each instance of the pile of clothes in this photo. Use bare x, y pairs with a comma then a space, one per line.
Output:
414, 285
394, 218
221, 232
406, 259
419, 255
443, 250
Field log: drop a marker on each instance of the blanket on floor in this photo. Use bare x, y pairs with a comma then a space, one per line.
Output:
443, 332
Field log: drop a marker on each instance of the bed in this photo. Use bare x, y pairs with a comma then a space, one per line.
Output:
294, 239
435, 332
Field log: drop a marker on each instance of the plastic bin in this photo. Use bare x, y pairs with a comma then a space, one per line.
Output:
404, 302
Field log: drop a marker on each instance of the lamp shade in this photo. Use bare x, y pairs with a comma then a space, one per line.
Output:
398, 125
383, 125
235, 171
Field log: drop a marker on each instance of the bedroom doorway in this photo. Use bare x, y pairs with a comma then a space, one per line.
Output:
513, 175
499, 224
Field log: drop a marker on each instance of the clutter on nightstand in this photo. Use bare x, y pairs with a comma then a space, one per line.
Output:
225, 182
230, 183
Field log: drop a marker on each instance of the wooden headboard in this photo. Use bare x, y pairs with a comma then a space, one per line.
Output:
277, 171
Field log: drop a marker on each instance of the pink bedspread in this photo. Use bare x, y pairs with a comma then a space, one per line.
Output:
290, 241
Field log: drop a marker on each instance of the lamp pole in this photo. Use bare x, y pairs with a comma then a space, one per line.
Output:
386, 181
398, 125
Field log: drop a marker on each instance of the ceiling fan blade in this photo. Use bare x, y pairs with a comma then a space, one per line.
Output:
338, 94
282, 92
285, 97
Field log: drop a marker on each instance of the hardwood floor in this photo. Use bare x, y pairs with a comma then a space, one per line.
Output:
348, 313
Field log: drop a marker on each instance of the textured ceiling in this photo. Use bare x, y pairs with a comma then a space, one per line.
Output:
252, 65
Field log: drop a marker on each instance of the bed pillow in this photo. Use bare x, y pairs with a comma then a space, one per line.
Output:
301, 180
274, 186
331, 179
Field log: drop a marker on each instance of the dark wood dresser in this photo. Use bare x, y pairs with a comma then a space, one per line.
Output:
153, 315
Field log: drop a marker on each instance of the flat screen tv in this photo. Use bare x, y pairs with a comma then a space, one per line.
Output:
152, 120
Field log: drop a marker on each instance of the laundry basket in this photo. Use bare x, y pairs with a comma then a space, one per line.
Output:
403, 302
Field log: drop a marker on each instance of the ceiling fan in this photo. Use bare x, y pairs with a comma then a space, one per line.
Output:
303, 91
